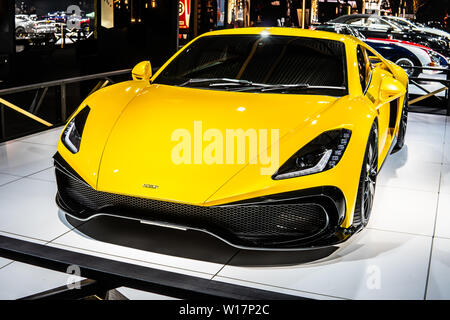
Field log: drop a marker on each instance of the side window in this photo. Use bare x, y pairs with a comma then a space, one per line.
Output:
356, 21
373, 59
362, 66
377, 23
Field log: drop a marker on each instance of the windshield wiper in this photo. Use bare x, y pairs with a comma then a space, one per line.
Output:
246, 85
289, 87
285, 87
217, 82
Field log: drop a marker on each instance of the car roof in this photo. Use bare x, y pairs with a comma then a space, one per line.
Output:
280, 31
351, 16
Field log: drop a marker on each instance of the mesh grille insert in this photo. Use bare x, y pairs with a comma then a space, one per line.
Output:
244, 225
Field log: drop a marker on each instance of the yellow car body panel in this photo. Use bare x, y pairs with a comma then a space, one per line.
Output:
109, 104
127, 138
159, 110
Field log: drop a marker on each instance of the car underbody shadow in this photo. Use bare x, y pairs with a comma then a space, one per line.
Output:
187, 244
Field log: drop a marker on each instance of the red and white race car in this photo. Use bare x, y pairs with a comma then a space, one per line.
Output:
427, 56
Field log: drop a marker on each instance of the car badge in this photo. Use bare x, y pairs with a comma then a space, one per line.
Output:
150, 186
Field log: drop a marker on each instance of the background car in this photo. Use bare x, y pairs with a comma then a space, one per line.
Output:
45, 27
62, 18
58, 16
417, 26
439, 60
401, 53
24, 25
373, 26
405, 56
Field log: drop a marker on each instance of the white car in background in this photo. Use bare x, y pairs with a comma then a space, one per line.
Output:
417, 27
24, 24
30, 25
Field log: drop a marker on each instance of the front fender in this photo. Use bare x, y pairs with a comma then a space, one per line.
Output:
355, 114
106, 106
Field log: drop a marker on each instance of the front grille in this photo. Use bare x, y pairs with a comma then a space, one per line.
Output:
262, 225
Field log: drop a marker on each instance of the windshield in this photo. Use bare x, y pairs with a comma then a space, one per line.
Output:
401, 22
258, 63
405, 22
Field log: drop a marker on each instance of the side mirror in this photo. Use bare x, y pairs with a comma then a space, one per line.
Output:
142, 71
390, 89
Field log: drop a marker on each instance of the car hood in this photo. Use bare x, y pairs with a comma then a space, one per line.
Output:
142, 154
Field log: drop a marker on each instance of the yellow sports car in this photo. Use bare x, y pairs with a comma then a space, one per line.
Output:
268, 138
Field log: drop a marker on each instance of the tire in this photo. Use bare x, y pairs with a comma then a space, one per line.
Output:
20, 31
402, 128
407, 62
367, 180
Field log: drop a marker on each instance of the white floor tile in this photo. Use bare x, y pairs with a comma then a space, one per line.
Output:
49, 137
46, 175
17, 236
439, 279
377, 265
28, 208
426, 118
134, 260
133, 294
443, 216
5, 178
397, 172
446, 156
445, 179
22, 159
404, 210
426, 131
302, 294
420, 151
19, 280
4, 262
447, 131
186, 250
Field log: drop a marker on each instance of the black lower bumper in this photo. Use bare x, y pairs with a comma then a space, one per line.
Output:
293, 220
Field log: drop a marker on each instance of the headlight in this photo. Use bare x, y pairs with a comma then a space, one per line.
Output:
322, 153
71, 136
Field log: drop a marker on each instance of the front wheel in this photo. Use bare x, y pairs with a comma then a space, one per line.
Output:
20, 32
367, 180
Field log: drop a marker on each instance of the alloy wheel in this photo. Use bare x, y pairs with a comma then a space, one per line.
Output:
370, 180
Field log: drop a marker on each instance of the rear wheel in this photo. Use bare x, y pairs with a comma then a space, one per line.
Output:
367, 180
402, 127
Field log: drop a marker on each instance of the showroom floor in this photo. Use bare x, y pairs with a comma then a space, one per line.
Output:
403, 254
